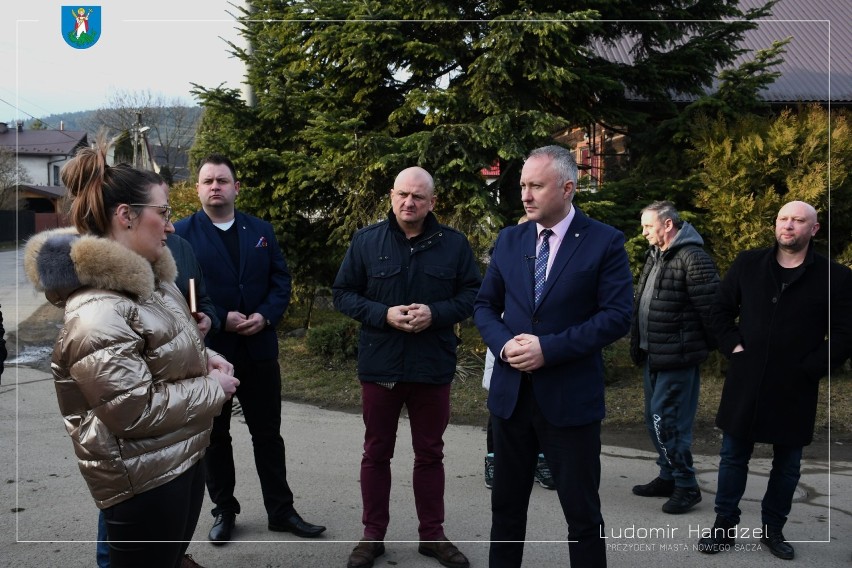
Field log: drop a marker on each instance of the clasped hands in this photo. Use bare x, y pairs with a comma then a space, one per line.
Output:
412, 318
523, 352
242, 324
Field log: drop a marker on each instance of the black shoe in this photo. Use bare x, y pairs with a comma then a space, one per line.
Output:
296, 525
489, 471
658, 487
778, 545
543, 475
220, 533
720, 538
682, 500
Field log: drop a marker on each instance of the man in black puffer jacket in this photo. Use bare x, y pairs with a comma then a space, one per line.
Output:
669, 337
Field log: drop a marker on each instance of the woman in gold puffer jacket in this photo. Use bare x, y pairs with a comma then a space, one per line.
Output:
136, 386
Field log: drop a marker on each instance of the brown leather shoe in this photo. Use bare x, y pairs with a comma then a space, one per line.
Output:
189, 562
365, 554
444, 552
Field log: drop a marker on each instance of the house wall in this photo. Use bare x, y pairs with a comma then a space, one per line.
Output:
37, 167
595, 147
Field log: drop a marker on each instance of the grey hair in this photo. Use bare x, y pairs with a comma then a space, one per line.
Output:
563, 162
664, 210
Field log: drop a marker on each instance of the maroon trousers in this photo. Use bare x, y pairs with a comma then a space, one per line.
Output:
429, 412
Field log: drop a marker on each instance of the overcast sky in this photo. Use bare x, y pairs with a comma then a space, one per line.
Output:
156, 45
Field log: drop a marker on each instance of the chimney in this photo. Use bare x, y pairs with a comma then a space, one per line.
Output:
20, 124
61, 125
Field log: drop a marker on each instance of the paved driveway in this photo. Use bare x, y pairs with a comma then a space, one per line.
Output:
17, 296
48, 518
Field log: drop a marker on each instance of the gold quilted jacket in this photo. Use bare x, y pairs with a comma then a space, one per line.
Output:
129, 366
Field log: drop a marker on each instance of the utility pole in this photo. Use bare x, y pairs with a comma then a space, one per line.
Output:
138, 131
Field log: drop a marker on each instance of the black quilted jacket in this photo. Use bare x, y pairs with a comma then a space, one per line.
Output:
678, 316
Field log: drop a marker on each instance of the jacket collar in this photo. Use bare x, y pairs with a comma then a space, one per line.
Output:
809, 256
61, 261
430, 225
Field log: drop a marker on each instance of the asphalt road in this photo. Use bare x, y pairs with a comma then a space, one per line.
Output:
49, 519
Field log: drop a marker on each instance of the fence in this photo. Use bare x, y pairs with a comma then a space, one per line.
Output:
19, 225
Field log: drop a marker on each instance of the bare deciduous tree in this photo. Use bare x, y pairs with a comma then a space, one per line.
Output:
172, 123
10, 175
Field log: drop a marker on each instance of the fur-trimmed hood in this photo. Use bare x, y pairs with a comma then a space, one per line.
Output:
60, 261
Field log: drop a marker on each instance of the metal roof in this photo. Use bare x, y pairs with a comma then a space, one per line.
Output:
50, 191
43, 142
817, 64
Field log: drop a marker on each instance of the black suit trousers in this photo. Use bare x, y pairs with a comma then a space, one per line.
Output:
573, 454
259, 395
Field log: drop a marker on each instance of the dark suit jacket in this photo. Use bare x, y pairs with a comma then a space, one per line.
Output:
188, 267
586, 304
261, 283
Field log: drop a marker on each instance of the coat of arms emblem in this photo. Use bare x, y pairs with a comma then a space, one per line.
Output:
81, 26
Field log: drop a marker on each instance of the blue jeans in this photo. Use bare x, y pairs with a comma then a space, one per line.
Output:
733, 474
671, 399
103, 543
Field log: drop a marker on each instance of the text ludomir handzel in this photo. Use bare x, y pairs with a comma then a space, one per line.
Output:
669, 532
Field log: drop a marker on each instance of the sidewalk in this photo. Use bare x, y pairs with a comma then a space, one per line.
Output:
17, 296
49, 519
55, 514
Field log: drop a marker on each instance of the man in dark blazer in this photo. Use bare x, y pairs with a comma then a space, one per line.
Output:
547, 383
248, 281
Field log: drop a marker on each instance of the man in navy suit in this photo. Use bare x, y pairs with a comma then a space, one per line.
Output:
248, 281
547, 384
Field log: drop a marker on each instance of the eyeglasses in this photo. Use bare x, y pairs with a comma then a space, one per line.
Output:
166, 209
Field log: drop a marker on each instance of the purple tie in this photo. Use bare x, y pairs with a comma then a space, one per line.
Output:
541, 263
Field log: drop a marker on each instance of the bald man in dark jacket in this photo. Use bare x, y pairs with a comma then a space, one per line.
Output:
783, 316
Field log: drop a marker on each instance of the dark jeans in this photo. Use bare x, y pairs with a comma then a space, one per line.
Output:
573, 454
733, 474
259, 394
671, 399
102, 550
165, 517
429, 413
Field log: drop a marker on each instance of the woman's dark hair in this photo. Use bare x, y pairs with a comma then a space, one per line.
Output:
97, 189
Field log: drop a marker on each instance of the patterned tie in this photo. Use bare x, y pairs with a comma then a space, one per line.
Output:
541, 264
